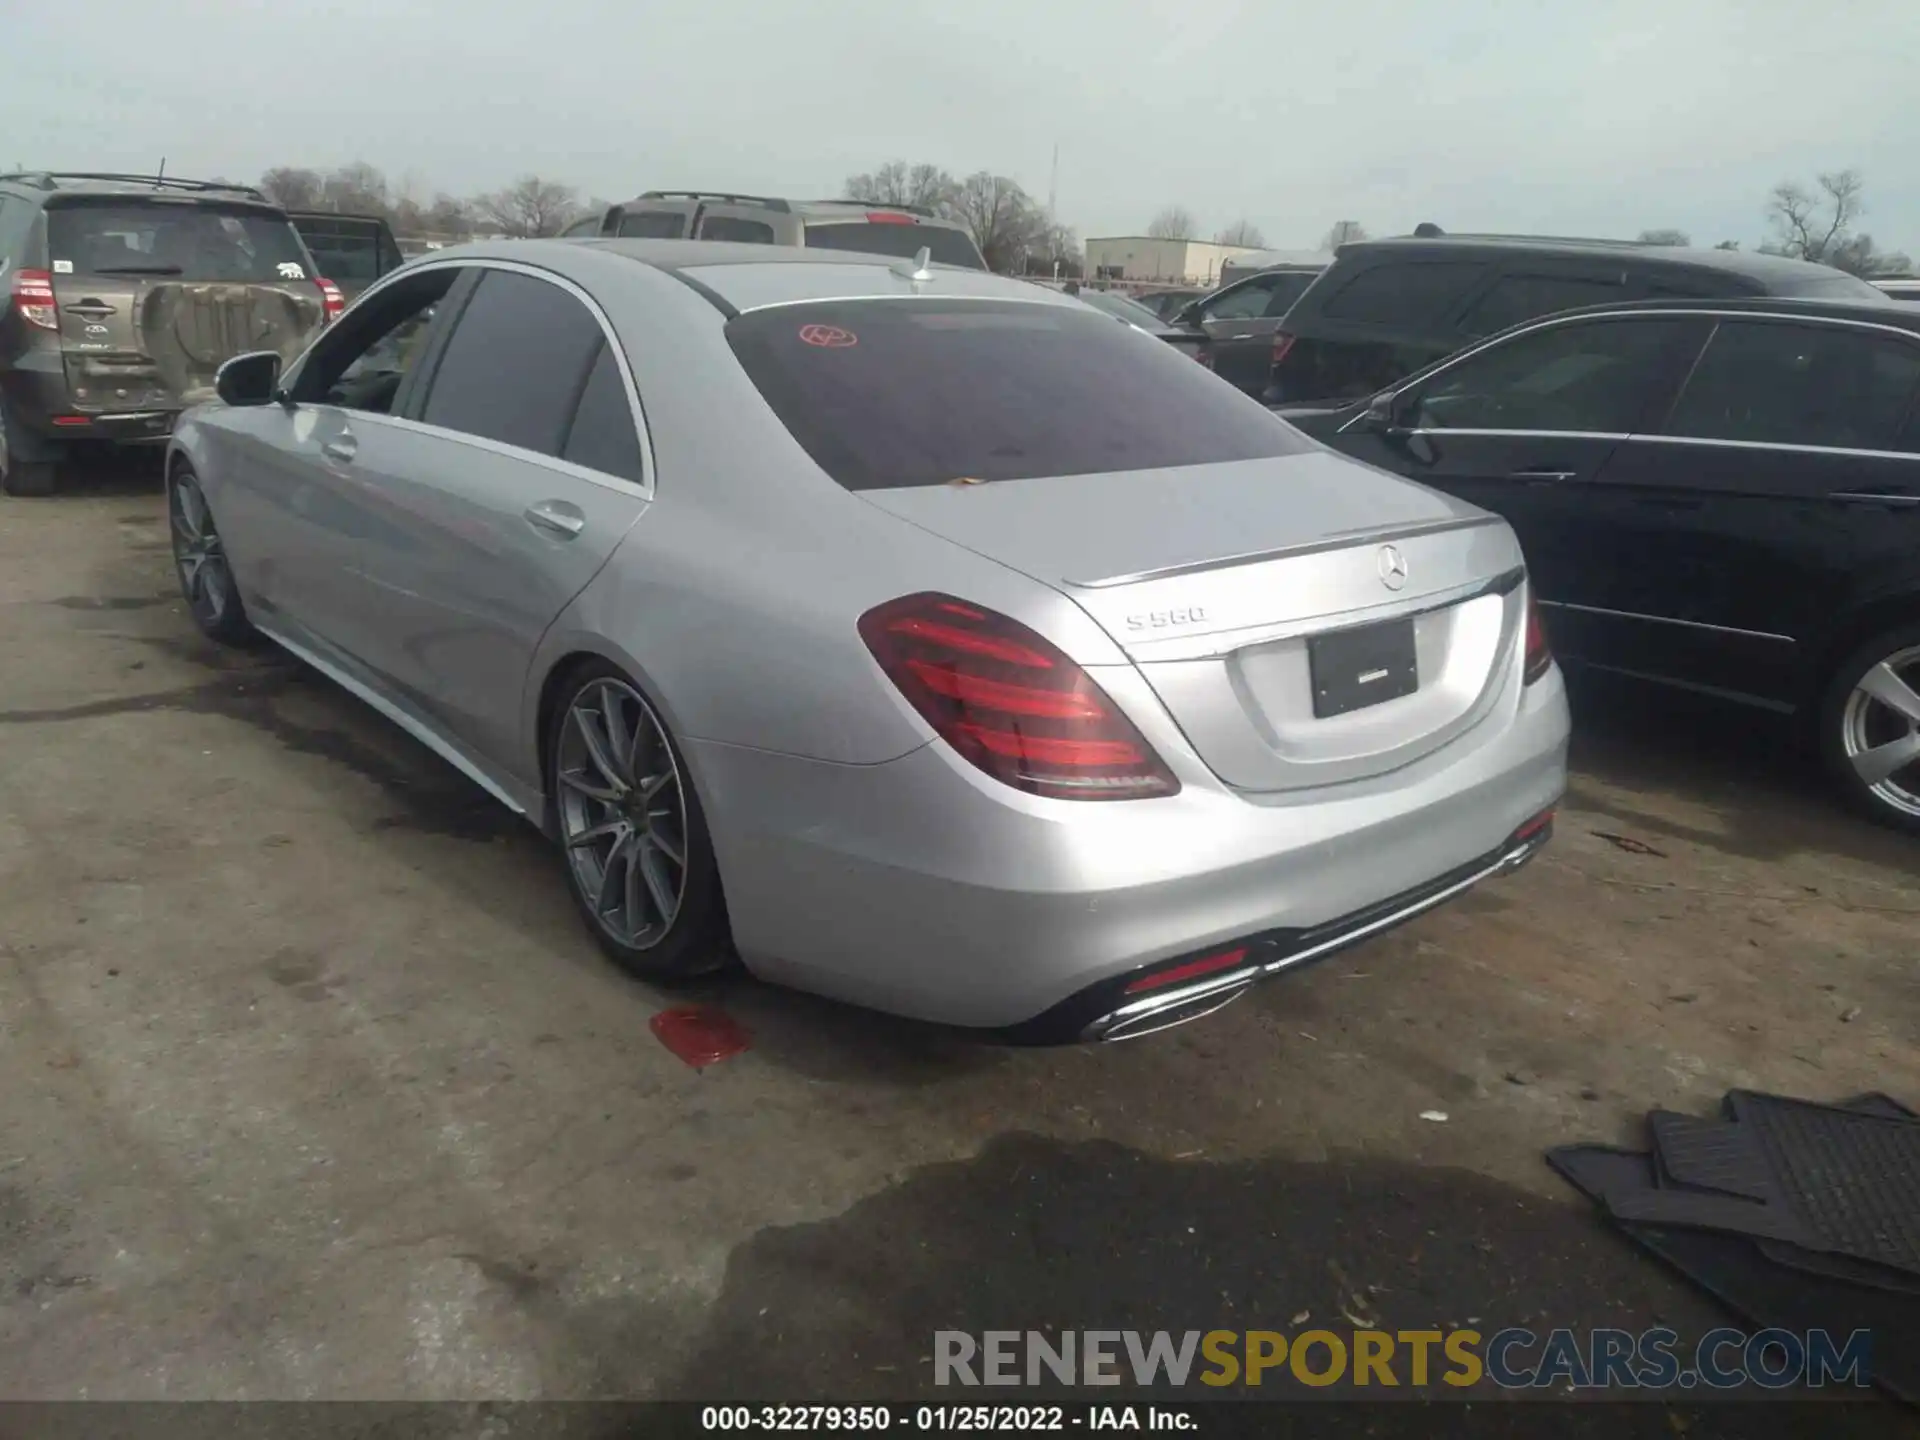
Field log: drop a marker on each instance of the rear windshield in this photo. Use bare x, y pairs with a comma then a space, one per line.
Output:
948, 246
889, 393
1838, 286
1405, 292
653, 225
346, 251
193, 241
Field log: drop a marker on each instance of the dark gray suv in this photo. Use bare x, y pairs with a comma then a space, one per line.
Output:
124, 295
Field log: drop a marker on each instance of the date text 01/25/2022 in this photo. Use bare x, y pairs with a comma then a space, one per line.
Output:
956, 1419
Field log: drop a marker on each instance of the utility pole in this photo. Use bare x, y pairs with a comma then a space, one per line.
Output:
1053, 215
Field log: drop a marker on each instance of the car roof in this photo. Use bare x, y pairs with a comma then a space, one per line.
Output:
804, 209
1890, 313
1767, 269
87, 182
741, 277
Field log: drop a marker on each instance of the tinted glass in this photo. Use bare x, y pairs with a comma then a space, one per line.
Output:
1287, 288
347, 252
515, 364
925, 392
362, 361
1836, 286
1590, 376
603, 437
1514, 298
1243, 302
1403, 292
187, 242
1801, 385
580, 228
653, 225
1347, 369
15, 218
732, 227
948, 246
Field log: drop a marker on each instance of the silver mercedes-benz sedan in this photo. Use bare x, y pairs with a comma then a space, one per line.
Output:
918, 636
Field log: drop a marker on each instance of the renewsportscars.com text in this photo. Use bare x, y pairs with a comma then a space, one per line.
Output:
1382, 1359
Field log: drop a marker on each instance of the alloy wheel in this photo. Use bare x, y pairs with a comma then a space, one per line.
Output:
1880, 731
205, 577
622, 813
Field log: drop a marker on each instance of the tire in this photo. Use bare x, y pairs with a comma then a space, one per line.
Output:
30, 478
200, 563
1871, 708
619, 838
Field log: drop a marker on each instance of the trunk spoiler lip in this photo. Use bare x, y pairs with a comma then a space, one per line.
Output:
1337, 540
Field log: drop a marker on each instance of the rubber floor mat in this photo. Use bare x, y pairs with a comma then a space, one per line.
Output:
1822, 1178
1732, 1270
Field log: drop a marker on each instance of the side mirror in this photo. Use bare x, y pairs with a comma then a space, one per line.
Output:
251, 379
1188, 315
1384, 411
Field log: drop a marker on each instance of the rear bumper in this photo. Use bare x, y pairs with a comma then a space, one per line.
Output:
923, 888
41, 402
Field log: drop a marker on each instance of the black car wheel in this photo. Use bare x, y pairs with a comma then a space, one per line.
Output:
1870, 728
200, 560
23, 477
639, 861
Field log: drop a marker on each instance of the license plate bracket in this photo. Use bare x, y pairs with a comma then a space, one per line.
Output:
1362, 667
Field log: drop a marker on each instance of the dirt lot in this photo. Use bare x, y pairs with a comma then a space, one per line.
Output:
314, 1085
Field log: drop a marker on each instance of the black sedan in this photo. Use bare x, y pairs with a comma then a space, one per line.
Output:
1718, 495
1131, 312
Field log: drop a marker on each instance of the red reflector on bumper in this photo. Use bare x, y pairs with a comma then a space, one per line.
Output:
1534, 826
1206, 965
70, 420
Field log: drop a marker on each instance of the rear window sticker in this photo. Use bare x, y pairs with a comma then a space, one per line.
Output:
291, 271
63, 267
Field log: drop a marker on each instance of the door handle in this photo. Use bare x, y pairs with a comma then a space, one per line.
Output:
342, 448
1247, 336
1891, 498
91, 309
556, 517
1543, 477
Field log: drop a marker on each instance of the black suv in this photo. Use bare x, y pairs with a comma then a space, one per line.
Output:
1386, 308
125, 294
352, 250
1719, 495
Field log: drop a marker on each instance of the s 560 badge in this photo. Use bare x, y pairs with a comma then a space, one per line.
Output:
1165, 619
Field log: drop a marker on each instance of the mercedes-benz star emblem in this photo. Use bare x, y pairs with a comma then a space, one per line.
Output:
1393, 567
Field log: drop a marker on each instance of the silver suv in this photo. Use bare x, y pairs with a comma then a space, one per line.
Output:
871, 229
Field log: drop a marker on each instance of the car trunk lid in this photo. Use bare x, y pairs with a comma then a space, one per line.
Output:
1268, 602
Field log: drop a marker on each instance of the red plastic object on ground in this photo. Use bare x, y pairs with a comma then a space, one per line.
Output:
701, 1035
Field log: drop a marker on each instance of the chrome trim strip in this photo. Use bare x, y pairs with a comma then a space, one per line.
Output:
1873, 497
1526, 434
1236, 980
1780, 445
416, 728
1339, 540
1670, 620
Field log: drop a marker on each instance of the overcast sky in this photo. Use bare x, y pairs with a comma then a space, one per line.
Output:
1595, 117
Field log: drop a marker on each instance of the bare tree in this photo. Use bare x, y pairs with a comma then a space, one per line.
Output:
1665, 237
1819, 224
448, 215
1002, 218
898, 183
529, 207
293, 188
356, 189
1172, 222
1242, 232
1343, 232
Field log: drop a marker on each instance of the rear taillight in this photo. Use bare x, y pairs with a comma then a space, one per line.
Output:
33, 298
1539, 654
1010, 702
1282, 343
332, 299
889, 217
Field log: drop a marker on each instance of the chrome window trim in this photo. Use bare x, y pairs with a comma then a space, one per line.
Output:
645, 486
1670, 620
1616, 437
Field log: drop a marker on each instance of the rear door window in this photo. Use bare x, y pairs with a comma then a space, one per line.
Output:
736, 228
946, 245
1403, 292
516, 364
348, 252
602, 436
1583, 377
186, 241
1775, 383
1243, 302
1288, 286
1513, 299
653, 225
895, 393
